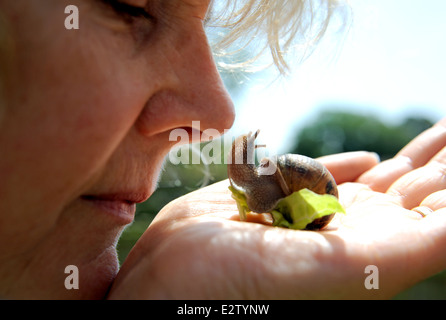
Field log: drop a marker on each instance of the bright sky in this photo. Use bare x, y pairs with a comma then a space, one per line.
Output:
391, 62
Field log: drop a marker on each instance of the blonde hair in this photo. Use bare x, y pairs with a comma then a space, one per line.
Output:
282, 25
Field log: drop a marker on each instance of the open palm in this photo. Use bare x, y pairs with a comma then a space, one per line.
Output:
197, 247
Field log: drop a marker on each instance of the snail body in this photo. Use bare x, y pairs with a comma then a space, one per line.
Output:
276, 178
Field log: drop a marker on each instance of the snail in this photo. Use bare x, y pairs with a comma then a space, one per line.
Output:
275, 178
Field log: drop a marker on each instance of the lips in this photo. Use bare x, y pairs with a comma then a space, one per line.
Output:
120, 207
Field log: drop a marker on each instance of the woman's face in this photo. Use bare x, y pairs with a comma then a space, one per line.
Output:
84, 128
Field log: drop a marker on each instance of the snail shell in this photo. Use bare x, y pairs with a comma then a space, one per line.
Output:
290, 173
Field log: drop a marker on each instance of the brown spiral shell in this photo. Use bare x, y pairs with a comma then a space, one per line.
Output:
299, 172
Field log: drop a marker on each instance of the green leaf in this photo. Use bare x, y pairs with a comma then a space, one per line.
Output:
303, 207
242, 206
295, 211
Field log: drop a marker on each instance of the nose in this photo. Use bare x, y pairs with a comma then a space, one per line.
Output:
191, 90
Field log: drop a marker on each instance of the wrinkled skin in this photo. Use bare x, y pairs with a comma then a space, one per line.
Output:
88, 112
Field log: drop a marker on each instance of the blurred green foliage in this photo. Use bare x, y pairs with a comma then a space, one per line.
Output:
341, 131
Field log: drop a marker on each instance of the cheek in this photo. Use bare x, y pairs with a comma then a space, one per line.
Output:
90, 130
79, 105
60, 141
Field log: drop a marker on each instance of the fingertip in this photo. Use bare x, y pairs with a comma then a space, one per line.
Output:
376, 157
348, 166
442, 122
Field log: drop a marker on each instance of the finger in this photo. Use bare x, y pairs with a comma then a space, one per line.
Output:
348, 166
384, 174
421, 149
415, 186
416, 154
435, 201
432, 234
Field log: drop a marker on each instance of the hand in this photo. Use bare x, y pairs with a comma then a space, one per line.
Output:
197, 247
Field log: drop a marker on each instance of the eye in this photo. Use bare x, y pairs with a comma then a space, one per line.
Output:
128, 11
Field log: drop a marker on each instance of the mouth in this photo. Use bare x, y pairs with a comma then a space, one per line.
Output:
121, 207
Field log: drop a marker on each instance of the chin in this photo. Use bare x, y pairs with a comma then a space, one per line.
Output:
95, 278
86, 238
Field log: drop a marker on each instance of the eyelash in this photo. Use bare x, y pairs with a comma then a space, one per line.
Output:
127, 10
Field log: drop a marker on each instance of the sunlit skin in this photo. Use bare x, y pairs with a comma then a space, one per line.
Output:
84, 128
200, 235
